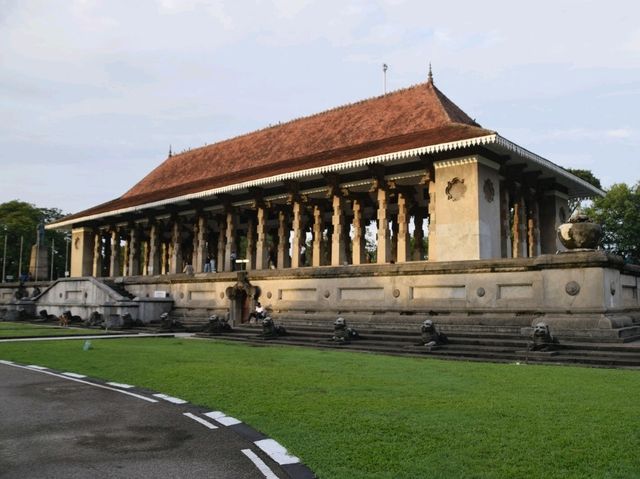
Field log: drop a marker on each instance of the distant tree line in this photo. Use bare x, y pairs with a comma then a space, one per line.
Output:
18, 230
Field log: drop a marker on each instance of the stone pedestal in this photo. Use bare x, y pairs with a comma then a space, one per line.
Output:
39, 263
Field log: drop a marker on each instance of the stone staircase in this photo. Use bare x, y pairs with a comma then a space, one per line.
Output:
118, 288
495, 344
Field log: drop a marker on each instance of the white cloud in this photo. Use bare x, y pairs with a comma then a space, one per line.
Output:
620, 133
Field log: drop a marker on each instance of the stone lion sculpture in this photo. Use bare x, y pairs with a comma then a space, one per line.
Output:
95, 320
541, 338
272, 330
167, 323
342, 333
431, 337
217, 325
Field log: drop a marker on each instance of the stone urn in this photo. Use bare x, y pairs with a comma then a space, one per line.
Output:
579, 233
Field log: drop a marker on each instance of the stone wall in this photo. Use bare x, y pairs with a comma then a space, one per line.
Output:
578, 294
570, 291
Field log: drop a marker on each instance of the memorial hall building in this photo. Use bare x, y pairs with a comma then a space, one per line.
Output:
382, 211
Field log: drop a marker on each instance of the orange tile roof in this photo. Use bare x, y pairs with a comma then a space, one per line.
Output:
417, 116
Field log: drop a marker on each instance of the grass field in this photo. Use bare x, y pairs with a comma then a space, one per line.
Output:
351, 415
18, 329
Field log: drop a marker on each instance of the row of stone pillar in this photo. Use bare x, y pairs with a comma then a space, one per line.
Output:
145, 251
520, 218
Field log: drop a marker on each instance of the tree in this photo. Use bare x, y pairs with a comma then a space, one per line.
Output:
619, 214
18, 224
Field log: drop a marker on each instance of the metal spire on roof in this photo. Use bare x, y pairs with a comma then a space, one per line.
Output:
430, 76
385, 67
170, 153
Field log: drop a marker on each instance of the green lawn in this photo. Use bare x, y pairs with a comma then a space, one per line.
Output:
18, 329
350, 415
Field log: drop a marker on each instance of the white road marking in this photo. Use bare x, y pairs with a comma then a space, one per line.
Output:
74, 375
120, 385
264, 469
200, 420
33, 366
4, 361
40, 369
277, 451
170, 398
222, 418
228, 420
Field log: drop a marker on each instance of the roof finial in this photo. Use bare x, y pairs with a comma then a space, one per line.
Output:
430, 76
385, 67
170, 153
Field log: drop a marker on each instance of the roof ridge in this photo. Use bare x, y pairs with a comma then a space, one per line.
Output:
305, 117
452, 111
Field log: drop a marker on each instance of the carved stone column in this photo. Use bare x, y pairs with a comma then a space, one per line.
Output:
519, 228
124, 254
200, 243
262, 253
164, 257
222, 235
358, 243
384, 239
283, 241
175, 260
251, 242
298, 235
402, 247
338, 252
418, 235
505, 220
533, 229
230, 247
115, 269
134, 253
318, 227
154, 251
97, 255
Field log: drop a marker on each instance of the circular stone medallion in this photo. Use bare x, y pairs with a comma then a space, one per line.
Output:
480, 292
572, 288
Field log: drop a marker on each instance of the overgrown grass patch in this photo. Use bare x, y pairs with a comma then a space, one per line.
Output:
18, 329
363, 415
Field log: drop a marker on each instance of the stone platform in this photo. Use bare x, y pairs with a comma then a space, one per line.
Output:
585, 296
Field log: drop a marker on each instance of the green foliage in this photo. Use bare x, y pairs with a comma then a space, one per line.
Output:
619, 214
19, 221
370, 416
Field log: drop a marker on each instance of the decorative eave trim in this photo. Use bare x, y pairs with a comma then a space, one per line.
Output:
397, 155
523, 152
452, 145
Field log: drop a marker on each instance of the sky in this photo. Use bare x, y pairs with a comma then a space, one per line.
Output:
93, 93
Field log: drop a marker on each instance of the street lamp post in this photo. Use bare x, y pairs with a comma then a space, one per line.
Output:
20, 259
4, 256
53, 257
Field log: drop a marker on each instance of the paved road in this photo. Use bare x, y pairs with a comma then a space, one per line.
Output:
58, 427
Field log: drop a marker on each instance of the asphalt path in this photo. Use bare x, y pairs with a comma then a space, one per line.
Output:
58, 426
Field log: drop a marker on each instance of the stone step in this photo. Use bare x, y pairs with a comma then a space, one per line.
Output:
469, 348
